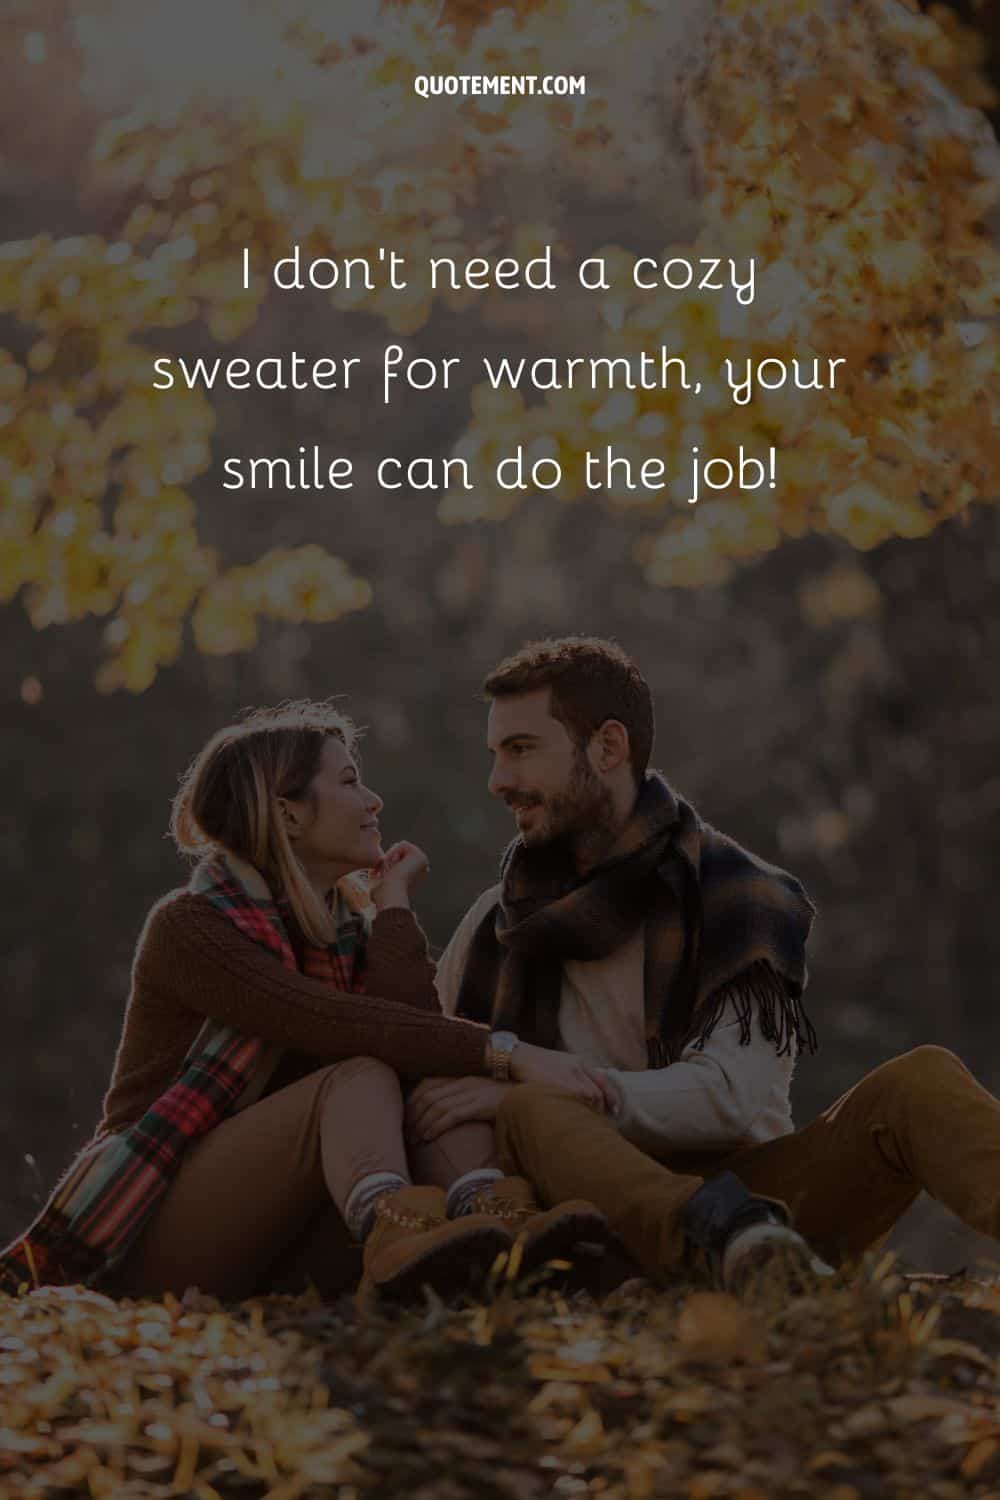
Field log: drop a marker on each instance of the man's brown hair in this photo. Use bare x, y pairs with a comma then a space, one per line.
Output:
591, 681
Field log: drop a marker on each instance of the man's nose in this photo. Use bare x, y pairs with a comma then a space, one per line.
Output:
499, 783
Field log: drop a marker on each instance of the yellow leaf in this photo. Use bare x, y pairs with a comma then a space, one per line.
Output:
978, 1456
718, 1329
588, 1432
959, 1349
919, 1408
830, 1458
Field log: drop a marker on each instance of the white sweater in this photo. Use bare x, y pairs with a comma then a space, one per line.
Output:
725, 1095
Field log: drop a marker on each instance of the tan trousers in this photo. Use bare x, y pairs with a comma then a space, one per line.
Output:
256, 1204
918, 1121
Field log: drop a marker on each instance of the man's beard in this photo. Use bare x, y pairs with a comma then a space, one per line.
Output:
582, 817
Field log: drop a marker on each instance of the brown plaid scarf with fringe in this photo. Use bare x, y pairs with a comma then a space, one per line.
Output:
720, 925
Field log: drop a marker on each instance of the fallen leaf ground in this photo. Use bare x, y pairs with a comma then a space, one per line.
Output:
884, 1386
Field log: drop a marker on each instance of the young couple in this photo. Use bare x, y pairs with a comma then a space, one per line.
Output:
604, 1052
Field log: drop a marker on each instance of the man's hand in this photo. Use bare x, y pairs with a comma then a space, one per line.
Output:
566, 1072
437, 1104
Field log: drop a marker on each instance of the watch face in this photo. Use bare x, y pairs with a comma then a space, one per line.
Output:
503, 1041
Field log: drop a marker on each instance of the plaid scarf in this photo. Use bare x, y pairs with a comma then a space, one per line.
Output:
720, 925
107, 1195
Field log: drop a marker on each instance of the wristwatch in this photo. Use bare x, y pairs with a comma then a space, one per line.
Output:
502, 1044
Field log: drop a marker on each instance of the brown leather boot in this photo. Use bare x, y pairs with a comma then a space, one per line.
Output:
414, 1244
541, 1235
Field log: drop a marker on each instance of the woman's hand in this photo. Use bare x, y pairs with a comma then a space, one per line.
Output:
397, 872
564, 1071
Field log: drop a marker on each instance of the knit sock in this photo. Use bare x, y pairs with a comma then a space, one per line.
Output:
467, 1187
359, 1210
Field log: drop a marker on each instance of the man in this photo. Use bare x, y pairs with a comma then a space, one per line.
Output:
628, 931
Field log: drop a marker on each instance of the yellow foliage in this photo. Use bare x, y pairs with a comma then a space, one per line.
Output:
828, 151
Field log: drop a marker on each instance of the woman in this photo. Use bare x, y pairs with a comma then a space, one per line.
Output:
252, 1130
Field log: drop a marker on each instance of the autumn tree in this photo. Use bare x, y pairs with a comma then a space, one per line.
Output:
841, 143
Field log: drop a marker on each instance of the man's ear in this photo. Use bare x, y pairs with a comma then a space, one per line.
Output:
611, 746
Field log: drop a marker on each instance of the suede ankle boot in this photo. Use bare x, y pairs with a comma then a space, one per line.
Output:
542, 1235
414, 1244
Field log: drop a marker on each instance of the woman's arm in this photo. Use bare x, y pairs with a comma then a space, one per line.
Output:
193, 955
399, 966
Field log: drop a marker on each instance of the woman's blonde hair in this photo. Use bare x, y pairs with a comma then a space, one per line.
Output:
228, 797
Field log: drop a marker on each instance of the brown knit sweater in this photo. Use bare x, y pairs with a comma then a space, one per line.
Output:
192, 962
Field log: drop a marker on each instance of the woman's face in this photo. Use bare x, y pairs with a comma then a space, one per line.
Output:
334, 827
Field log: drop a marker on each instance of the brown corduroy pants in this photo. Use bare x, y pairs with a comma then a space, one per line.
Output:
256, 1203
920, 1121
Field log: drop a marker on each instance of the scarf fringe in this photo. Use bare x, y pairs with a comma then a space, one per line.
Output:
759, 989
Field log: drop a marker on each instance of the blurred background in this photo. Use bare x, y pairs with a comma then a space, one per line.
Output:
835, 710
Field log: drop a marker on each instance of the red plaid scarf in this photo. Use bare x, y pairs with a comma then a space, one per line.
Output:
105, 1198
